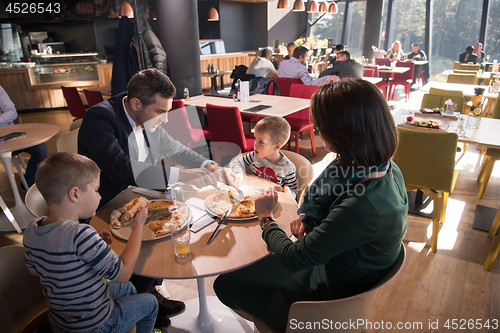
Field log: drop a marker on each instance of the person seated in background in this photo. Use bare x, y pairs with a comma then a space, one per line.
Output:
73, 260
478, 51
416, 54
396, 52
263, 66
352, 221
290, 48
338, 48
295, 68
8, 114
266, 160
468, 55
344, 67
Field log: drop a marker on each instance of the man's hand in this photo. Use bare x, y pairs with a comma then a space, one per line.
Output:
239, 178
299, 229
334, 78
265, 204
227, 176
197, 177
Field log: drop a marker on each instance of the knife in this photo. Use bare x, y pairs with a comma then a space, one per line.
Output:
222, 224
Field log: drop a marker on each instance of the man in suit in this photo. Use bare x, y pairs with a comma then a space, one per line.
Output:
122, 135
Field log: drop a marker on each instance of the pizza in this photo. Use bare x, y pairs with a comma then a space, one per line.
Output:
224, 199
161, 213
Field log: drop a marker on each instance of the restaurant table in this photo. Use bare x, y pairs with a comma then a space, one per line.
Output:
238, 245
36, 133
484, 75
280, 106
468, 91
214, 77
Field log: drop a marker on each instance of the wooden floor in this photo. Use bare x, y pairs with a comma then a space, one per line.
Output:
431, 289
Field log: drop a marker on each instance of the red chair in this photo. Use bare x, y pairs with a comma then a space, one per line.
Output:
421, 76
369, 72
93, 97
74, 102
284, 85
405, 79
179, 127
248, 118
383, 61
227, 133
300, 121
382, 84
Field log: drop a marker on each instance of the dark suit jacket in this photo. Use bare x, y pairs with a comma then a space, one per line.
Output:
467, 57
343, 69
107, 138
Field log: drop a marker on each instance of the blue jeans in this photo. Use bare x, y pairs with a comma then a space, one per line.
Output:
130, 308
38, 153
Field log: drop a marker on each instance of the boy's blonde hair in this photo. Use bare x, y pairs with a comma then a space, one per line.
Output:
61, 171
277, 128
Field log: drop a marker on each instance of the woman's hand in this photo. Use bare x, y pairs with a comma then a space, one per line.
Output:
266, 203
299, 229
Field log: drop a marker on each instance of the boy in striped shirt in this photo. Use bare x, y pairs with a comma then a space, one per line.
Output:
266, 160
72, 259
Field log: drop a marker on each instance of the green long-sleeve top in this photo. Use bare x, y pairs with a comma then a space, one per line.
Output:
357, 241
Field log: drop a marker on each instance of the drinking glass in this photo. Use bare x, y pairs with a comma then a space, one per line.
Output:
181, 236
186, 93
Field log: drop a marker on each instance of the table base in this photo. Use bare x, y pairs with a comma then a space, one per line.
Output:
21, 214
208, 315
417, 202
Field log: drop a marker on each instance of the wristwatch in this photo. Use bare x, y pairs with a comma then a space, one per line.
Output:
266, 221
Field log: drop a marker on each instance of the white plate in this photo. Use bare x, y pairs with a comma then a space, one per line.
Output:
147, 233
252, 191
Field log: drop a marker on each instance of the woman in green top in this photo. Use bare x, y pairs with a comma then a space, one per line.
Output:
353, 217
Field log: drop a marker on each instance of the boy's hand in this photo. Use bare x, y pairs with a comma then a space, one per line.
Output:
239, 178
286, 189
140, 218
105, 235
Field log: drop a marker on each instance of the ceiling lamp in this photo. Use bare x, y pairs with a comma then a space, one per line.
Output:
298, 6
333, 9
126, 10
283, 4
313, 7
323, 8
213, 15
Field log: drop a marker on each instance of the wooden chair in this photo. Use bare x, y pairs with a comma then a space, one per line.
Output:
93, 97
404, 79
23, 307
496, 245
343, 310
437, 101
226, 128
300, 121
418, 161
285, 84
68, 142
74, 102
462, 78
456, 65
179, 127
470, 67
304, 171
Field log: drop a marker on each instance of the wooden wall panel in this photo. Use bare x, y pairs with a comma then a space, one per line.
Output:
224, 62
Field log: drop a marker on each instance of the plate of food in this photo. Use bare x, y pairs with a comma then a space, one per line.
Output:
226, 197
434, 110
161, 213
428, 124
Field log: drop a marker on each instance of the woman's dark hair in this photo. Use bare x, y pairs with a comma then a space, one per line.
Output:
469, 49
144, 85
354, 118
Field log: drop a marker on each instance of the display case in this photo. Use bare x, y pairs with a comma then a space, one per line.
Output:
52, 68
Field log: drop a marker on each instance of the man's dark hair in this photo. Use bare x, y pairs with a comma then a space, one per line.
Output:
339, 47
300, 51
144, 85
346, 54
266, 53
414, 44
291, 44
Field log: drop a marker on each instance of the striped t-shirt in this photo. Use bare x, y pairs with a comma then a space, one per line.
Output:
71, 260
281, 173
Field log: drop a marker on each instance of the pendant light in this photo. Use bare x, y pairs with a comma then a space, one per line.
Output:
312, 7
126, 10
333, 9
283, 4
323, 8
298, 6
213, 15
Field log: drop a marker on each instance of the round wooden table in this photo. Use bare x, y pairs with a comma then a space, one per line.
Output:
238, 245
36, 133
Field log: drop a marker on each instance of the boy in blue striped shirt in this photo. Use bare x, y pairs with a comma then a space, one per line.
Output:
72, 259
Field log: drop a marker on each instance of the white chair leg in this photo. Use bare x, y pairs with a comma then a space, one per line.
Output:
20, 172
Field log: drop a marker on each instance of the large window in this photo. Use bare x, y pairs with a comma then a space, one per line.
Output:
329, 25
408, 23
355, 28
10, 44
492, 43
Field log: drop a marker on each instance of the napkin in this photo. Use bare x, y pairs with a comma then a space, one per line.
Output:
200, 217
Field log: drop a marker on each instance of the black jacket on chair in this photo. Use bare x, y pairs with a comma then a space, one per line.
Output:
107, 138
